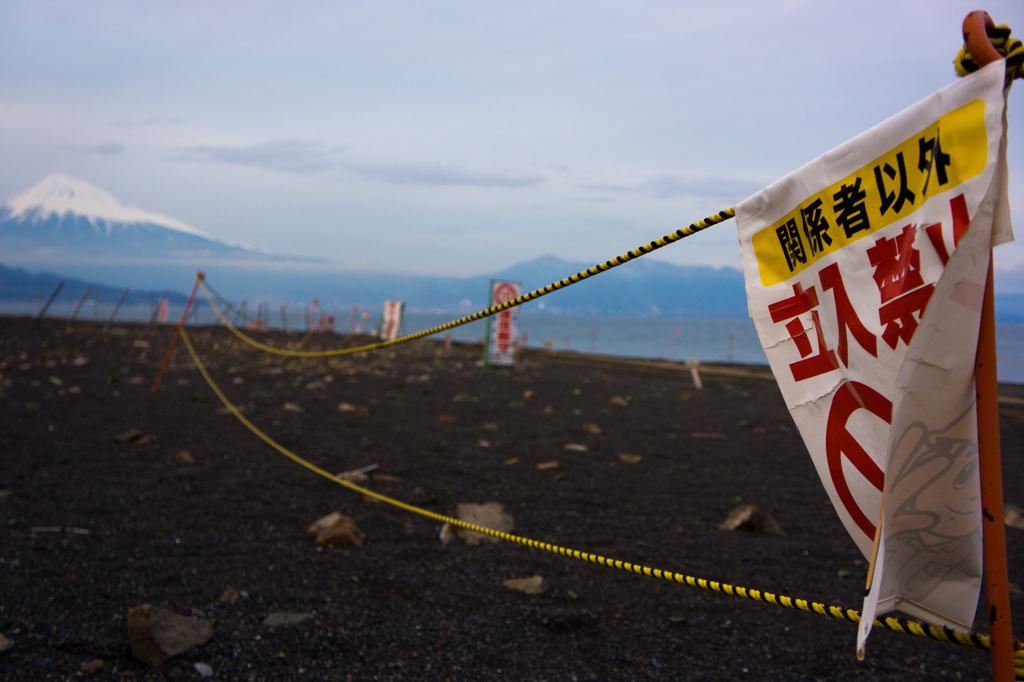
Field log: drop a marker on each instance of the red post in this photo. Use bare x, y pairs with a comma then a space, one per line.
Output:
991, 472
177, 331
312, 326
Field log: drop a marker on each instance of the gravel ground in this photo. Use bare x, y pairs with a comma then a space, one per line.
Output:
90, 526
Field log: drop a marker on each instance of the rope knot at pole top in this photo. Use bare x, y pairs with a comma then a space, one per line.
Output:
985, 42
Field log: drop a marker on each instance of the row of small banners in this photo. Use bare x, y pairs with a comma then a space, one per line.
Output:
502, 329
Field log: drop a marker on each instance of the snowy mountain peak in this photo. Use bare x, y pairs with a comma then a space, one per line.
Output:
59, 194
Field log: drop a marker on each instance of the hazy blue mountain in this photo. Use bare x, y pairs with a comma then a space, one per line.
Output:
1009, 307
75, 230
637, 289
634, 289
21, 285
642, 287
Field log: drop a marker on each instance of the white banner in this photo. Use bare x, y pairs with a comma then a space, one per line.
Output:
865, 285
503, 328
392, 323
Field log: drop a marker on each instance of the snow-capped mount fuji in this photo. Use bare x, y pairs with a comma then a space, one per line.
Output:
59, 194
64, 219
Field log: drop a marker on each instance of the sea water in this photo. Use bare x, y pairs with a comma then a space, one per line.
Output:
719, 340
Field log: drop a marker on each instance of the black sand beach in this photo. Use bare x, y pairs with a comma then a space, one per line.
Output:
91, 526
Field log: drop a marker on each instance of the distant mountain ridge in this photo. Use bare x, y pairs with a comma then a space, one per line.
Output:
635, 289
70, 229
21, 285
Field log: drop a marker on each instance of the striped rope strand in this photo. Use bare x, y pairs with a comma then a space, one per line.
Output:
942, 634
1010, 48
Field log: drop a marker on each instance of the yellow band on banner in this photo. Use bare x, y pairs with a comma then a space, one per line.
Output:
890, 188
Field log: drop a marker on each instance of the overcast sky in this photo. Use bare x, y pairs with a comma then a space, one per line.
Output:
462, 137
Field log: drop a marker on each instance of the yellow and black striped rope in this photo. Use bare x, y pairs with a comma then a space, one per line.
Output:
1011, 48
942, 634
719, 217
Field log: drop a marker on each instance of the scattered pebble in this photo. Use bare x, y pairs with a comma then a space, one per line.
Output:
284, 618
229, 596
336, 529
752, 519
156, 634
490, 515
1013, 516
532, 585
128, 436
93, 666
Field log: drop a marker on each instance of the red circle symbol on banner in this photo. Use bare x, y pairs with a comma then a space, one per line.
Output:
849, 398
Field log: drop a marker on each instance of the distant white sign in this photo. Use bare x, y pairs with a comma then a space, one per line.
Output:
503, 328
392, 320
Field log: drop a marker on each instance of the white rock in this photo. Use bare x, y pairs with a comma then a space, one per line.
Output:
491, 515
532, 585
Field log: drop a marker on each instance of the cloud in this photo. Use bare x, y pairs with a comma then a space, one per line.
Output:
108, 149
151, 122
306, 157
677, 187
439, 175
670, 187
292, 156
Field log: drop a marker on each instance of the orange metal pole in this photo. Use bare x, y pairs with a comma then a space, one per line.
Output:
177, 331
991, 473
986, 383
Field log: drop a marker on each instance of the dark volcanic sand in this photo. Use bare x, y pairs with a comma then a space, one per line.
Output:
404, 606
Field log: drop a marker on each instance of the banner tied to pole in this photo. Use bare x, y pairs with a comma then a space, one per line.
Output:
392, 323
503, 331
865, 273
